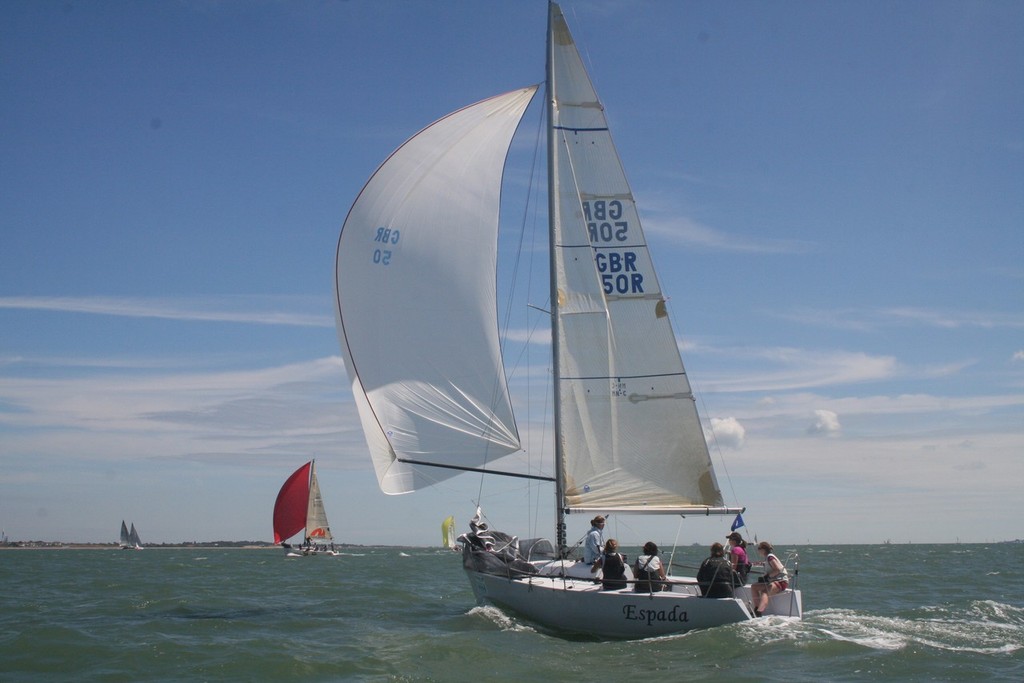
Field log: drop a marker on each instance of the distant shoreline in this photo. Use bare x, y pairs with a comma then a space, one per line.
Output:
214, 545
114, 546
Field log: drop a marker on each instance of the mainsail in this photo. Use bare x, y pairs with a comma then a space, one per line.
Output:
317, 527
629, 431
125, 538
416, 299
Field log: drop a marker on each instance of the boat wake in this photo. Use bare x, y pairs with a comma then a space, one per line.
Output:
985, 627
500, 619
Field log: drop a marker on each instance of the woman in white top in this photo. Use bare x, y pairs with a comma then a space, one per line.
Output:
649, 570
774, 581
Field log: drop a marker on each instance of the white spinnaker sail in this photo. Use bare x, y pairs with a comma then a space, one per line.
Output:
415, 299
629, 427
317, 527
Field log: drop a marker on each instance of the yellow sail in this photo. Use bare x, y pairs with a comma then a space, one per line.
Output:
448, 532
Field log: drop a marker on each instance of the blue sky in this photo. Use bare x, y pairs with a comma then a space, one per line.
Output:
833, 192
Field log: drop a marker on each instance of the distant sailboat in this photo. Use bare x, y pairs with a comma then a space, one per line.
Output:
129, 539
300, 506
448, 533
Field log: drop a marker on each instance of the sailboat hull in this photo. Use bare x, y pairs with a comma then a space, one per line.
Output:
580, 606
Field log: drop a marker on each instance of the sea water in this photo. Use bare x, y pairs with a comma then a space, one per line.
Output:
888, 612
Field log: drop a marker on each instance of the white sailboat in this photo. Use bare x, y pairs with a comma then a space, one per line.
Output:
129, 539
428, 378
299, 506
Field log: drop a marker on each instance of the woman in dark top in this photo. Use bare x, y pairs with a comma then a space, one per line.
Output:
614, 566
716, 576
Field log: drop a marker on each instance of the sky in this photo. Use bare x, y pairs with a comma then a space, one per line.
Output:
833, 194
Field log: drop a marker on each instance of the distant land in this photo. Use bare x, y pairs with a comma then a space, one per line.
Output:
14, 545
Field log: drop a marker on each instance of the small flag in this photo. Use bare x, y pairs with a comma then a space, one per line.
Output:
737, 523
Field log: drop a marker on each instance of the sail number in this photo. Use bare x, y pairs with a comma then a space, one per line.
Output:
604, 221
385, 236
618, 269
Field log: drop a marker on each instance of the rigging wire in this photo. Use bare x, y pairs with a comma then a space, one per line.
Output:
510, 299
699, 395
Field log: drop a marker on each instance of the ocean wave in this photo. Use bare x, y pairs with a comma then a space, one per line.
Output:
986, 627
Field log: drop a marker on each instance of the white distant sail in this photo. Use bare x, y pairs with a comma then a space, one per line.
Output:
317, 526
133, 539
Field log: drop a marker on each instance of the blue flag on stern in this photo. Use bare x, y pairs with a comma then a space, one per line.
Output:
737, 523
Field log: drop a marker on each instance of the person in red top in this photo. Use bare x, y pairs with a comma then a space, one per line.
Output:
738, 555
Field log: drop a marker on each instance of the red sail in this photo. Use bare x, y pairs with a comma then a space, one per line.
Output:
290, 508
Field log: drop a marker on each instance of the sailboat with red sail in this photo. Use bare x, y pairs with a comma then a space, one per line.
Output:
299, 507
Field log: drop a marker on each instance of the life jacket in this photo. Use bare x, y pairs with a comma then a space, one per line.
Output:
613, 571
779, 576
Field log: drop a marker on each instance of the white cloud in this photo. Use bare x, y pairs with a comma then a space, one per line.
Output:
868, 319
825, 423
1019, 356
727, 432
171, 309
798, 405
803, 369
687, 232
184, 413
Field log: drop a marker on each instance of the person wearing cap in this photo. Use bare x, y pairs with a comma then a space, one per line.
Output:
738, 555
593, 546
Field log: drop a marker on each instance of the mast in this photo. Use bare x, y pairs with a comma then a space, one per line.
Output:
552, 216
309, 498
